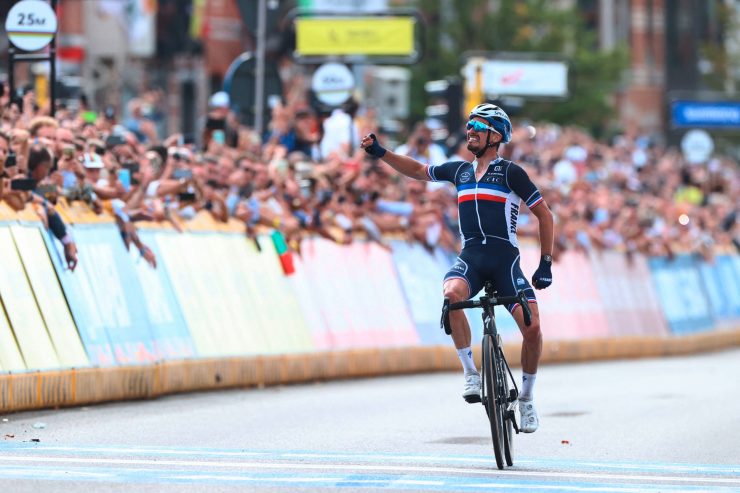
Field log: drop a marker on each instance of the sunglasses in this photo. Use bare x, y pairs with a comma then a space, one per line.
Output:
479, 127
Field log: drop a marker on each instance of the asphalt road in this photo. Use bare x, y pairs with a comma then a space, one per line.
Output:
669, 424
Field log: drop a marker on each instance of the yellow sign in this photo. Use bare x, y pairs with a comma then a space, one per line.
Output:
355, 36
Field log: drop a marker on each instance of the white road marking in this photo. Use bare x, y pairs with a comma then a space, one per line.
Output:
688, 468
365, 467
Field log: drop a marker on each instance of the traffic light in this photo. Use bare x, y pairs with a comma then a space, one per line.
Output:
444, 105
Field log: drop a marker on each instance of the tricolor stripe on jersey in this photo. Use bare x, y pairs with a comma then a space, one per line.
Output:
485, 191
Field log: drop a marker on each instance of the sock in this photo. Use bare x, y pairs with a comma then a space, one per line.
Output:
527, 392
466, 358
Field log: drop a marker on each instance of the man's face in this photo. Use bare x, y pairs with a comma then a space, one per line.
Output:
65, 143
93, 174
41, 171
47, 132
477, 139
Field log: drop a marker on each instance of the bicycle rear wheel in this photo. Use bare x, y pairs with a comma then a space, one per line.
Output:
490, 392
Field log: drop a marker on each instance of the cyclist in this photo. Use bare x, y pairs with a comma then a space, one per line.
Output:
489, 192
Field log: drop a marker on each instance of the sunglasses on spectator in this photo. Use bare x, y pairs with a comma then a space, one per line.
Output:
479, 127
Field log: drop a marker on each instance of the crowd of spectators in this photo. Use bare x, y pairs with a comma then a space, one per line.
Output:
307, 176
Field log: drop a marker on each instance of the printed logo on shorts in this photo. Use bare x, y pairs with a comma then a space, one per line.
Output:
459, 267
465, 176
520, 281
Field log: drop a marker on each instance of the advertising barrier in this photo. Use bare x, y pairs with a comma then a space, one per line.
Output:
171, 337
10, 355
234, 297
358, 294
22, 309
49, 295
681, 293
105, 298
628, 297
721, 279
420, 274
572, 307
217, 293
192, 268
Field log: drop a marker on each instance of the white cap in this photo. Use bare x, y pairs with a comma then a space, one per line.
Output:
220, 99
92, 161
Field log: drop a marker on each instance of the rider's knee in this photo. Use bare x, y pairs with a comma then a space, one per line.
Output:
532, 334
455, 293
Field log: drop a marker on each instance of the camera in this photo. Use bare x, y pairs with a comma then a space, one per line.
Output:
11, 160
23, 184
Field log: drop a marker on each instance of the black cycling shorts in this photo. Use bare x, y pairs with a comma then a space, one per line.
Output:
498, 263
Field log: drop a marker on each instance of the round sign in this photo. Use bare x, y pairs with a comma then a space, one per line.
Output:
697, 146
333, 83
31, 24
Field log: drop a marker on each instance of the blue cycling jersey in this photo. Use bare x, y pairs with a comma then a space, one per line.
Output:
488, 208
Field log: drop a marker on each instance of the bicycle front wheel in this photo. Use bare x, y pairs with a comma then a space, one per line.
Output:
491, 391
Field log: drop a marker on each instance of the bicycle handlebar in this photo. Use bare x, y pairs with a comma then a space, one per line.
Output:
484, 302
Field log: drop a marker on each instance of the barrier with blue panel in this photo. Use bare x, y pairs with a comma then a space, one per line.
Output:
721, 279
682, 294
169, 330
106, 298
216, 294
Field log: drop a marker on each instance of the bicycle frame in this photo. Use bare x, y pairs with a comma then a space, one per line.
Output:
498, 399
489, 328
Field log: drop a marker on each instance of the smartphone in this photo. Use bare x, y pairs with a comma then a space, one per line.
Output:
114, 140
219, 137
10, 161
180, 174
132, 166
124, 176
186, 197
23, 184
215, 124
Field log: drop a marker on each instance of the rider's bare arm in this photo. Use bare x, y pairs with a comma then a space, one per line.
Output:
403, 164
547, 227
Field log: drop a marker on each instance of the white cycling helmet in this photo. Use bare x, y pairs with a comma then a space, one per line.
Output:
496, 117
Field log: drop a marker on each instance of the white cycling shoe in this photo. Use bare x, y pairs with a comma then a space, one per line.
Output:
528, 421
471, 393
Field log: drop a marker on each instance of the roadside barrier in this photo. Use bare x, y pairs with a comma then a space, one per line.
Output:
224, 310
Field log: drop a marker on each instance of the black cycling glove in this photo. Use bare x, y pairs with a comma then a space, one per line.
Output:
542, 277
375, 149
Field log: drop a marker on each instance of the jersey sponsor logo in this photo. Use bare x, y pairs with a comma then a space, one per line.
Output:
459, 267
464, 176
498, 168
513, 217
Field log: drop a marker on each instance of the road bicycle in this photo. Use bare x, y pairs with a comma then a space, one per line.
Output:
499, 392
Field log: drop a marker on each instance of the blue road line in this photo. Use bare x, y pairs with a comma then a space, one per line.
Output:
523, 464
328, 480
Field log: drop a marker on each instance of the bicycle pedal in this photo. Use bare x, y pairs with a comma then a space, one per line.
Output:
472, 399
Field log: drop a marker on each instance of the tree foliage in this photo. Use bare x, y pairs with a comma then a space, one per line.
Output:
531, 26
